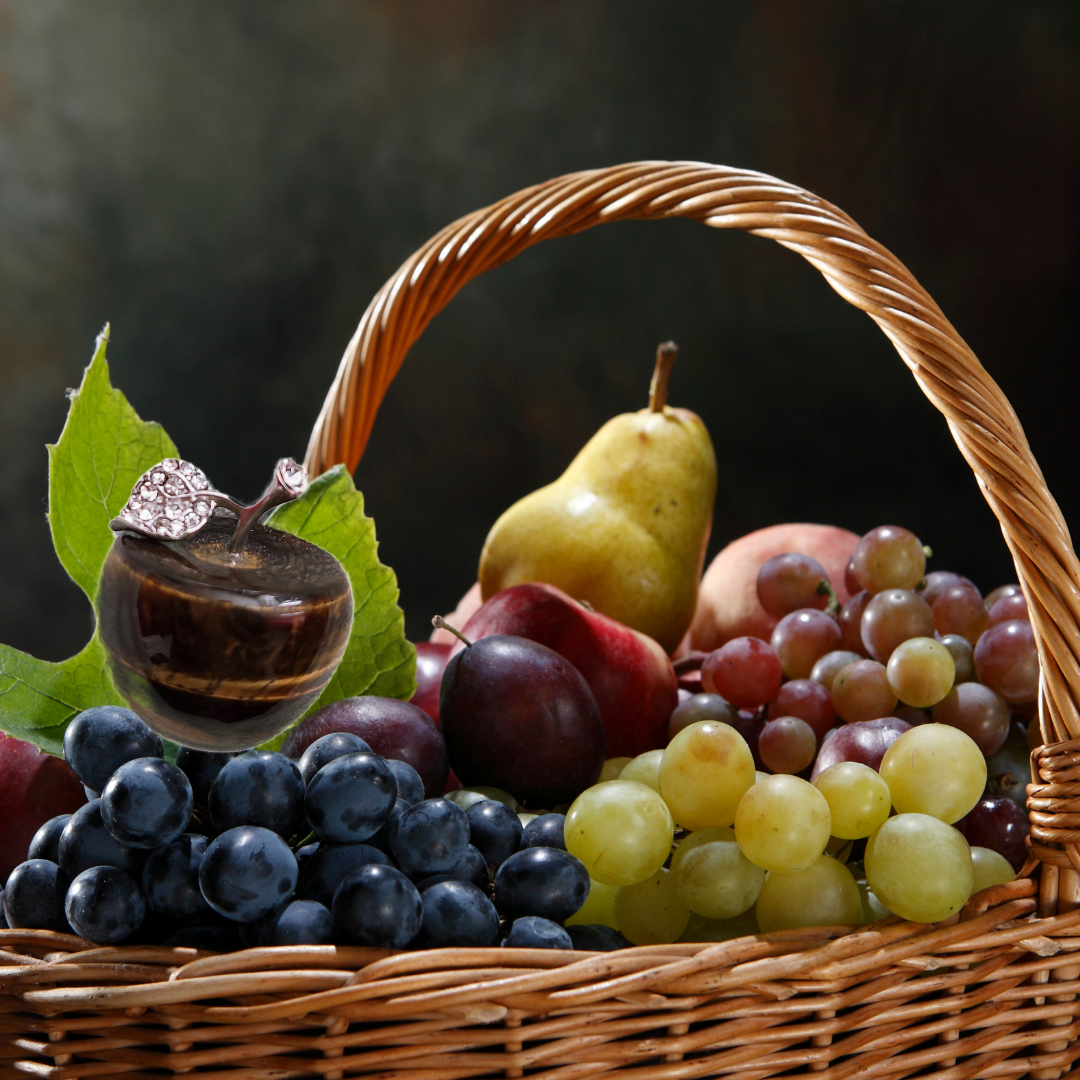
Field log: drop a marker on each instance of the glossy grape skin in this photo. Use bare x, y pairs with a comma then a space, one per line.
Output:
350, 798
587, 937
783, 823
697, 707
791, 581
787, 744
45, 843
170, 879
599, 907
146, 803
34, 896
997, 823
377, 906
1001, 591
859, 799
921, 671
650, 912
86, 842
862, 692
322, 751
533, 932
457, 914
822, 894
809, 700
989, 869
301, 922
260, 788
247, 872
888, 557
201, 768
1006, 660
829, 666
472, 867
1013, 606
977, 711
410, 785
645, 769
892, 617
104, 905
959, 609
746, 672
850, 622
712, 875
541, 881
320, 874
934, 769
919, 867
547, 830
99, 740
963, 654
936, 582
494, 830
802, 638
429, 838
865, 742
705, 771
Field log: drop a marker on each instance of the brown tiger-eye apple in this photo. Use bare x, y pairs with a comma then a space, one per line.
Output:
219, 650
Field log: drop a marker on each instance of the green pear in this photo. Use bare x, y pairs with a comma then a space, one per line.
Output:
625, 527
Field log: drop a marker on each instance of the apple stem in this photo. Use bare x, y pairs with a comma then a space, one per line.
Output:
442, 624
665, 356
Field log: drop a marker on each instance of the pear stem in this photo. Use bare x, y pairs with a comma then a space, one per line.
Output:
442, 624
665, 357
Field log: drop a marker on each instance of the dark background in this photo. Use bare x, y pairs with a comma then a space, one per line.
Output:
229, 183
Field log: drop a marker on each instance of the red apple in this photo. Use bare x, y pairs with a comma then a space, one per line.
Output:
728, 605
629, 674
431, 658
34, 786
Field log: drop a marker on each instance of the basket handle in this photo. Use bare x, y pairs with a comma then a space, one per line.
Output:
864, 273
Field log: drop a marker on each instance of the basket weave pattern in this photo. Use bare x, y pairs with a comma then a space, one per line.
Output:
990, 993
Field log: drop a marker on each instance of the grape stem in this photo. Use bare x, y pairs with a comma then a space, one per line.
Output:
824, 588
666, 352
442, 624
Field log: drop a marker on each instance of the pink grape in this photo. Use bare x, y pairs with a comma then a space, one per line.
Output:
911, 715
963, 654
889, 557
978, 712
959, 609
803, 637
790, 581
745, 671
894, 616
862, 692
809, 701
824, 671
1013, 606
701, 707
1002, 590
865, 742
787, 744
851, 582
1007, 661
935, 583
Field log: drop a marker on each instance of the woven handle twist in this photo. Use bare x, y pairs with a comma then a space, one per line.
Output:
863, 272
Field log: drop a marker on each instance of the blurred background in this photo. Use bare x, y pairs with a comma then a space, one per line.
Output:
229, 183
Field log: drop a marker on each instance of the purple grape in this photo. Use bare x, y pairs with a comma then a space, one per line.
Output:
999, 824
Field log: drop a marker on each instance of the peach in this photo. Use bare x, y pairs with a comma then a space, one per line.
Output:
727, 604
467, 606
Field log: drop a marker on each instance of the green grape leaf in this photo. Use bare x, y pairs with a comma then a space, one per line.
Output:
103, 449
378, 660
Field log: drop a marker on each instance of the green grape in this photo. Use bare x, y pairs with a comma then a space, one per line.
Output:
525, 818
645, 769
872, 908
783, 823
705, 771
990, 868
822, 894
466, 797
919, 867
613, 768
858, 798
698, 928
934, 769
599, 907
650, 912
921, 671
714, 878
620, 830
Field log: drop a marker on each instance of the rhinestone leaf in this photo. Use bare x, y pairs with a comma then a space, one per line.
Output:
173, 499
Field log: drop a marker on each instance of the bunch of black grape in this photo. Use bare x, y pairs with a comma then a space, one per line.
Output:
340, 847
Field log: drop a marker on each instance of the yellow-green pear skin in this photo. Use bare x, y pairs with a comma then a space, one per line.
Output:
624, 528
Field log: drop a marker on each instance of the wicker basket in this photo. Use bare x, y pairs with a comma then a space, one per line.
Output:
990, 993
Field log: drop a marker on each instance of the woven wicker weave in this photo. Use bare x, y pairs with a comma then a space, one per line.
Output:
990, 993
